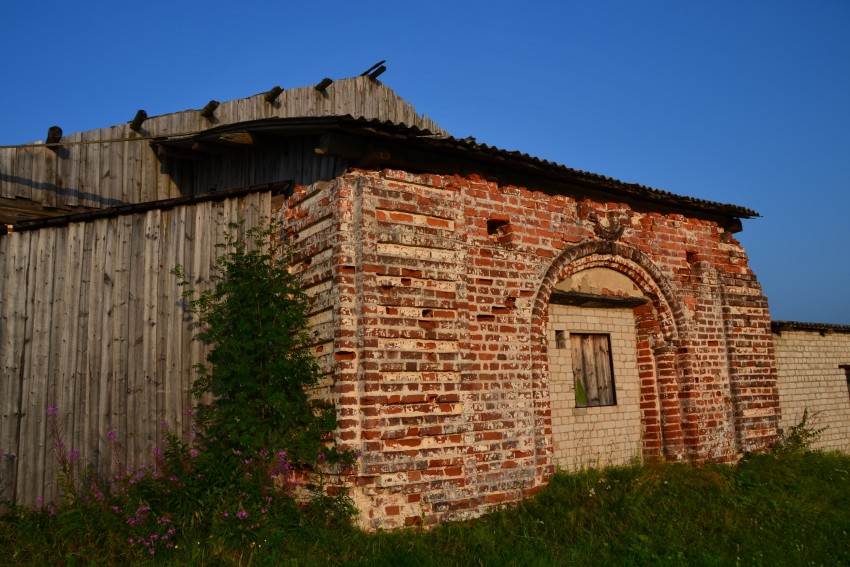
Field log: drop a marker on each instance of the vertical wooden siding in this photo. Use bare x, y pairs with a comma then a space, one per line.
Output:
114, 166
92, 325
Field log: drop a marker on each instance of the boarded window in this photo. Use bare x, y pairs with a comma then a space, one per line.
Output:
592, 370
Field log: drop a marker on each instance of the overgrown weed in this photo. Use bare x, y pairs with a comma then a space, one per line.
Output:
788, 509
800, 437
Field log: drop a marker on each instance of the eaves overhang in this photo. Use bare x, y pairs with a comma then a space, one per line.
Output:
373, 143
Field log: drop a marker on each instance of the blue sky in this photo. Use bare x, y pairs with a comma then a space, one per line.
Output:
738, 102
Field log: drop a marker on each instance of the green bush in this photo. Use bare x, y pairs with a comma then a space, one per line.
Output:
798, 438
259, 364
256, 465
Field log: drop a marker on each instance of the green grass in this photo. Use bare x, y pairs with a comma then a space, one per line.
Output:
789, 509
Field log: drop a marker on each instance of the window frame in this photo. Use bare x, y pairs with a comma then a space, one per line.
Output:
585, 381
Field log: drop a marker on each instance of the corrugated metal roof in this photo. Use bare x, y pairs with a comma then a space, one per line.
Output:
470, 149
778, 326
634, 189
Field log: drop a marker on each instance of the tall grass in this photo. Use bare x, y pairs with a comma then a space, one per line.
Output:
783, 509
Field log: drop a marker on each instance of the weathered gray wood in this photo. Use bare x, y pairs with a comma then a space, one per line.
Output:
11, 341
183, 334
94, 326
7, 179
592, 366
169, 327
116, 419
22, 173
97, 319
70, 333
29, 443
148, 418
70, 169
133, 168
8, 386
35, 164
118, 178
42, 288
110, 336
110, 166
89, 169
136, 346
602, 363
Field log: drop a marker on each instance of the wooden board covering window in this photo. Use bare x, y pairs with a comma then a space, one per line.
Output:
592, 370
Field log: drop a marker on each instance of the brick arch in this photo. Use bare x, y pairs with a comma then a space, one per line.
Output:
629, 261
660, 327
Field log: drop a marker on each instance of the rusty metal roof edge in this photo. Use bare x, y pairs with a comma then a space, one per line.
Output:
317, 122
386, 126
635, 189
778, 326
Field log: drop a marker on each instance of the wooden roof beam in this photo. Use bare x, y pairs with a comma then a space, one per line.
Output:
178, 153
352, 148
243, 138
54, 135
324, 84
272, 95
340, 145
207, 148
209, 110
580, 299
375, 70
138, 120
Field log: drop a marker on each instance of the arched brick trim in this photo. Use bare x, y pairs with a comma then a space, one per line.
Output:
626, 260
660, 325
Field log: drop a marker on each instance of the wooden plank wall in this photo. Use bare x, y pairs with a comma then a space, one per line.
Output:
93, 326
293, 159
114, 166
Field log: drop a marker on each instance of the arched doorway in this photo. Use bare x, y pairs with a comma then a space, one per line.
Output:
594, 384
607, 298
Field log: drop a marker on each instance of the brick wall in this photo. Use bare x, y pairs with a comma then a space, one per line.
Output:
432, 307
809, 377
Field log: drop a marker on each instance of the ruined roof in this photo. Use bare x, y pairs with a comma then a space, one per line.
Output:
412, 147
111, 167
114, 166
